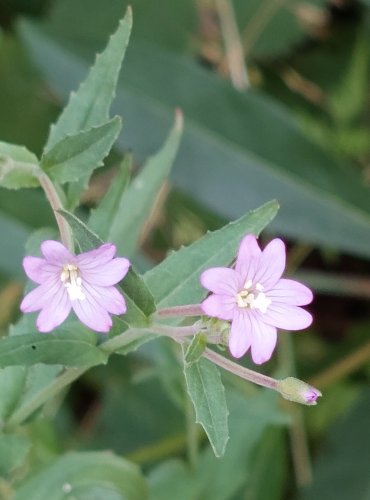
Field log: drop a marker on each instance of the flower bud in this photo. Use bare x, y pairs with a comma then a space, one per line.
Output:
298, 391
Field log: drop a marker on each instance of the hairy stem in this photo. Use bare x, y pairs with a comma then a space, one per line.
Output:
56, 204
240, 371
187, 310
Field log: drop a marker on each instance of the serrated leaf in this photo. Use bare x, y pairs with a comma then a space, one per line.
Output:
90, 105
77, 156
195, 349
175, 281
70, 347
140, 300
101, 218
207, 393
89, 475
19, 167
138, 200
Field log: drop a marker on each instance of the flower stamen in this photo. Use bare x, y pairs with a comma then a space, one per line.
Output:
71, 279
248, 298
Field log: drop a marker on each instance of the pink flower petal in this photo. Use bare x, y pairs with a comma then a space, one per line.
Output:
97, 257
41, 296
108, 297
240, 334
271, 264
222, 280
92, 315
56, 253
264, 338
219, 306
55, 312
290, 292
248, 258
39, 270
107, 274
287, 317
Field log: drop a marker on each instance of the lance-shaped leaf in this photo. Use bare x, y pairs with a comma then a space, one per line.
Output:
101, 218
138, 200
176, 280
70, 347
86, 475
90, 105
19, 167
76, 156
203, 381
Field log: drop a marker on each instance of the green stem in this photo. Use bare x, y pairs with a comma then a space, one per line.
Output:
56, 204
30, 406
187, 310
191, 433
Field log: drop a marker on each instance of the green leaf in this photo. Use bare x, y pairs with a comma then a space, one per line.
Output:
12, 382
175, 281
70, 347
138, 200
88, 475
76, 156
207, 393
90, 105
13, 451
101, 218
222, 479
140, 301
19, 167
195, 349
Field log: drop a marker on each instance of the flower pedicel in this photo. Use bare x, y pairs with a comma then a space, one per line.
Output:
84, 283
254, 297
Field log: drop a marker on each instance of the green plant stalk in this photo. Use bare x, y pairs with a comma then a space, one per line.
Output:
56, 204
30, 406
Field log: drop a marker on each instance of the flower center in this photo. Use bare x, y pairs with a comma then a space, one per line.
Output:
252, 297
71, 279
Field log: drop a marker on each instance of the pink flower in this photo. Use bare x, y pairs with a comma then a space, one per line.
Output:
255, 299
82, 282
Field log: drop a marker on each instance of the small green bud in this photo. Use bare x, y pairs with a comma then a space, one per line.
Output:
298, 391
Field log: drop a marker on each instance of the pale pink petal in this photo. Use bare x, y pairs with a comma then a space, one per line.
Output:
248, 258
56, 253
108, 297
222, 280
97, 257
107, 274
240, 334
39, 270
219, 306
41, 296
287, 317
264, 338
92, 315
271, 264
55, 312
290, 292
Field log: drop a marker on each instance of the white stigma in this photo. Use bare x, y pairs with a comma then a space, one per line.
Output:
253, 297
71, 279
